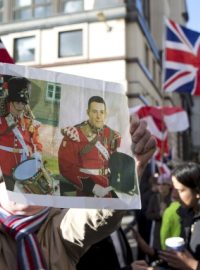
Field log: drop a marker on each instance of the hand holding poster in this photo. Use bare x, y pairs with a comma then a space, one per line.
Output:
65, 141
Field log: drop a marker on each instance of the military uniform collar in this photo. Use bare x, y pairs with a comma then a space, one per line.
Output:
94, 129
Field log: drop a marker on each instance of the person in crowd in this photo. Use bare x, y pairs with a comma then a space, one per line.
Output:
113, 253
19, 132
186, 180
157, 204
171, 223
86, 150
143, 223
36, 237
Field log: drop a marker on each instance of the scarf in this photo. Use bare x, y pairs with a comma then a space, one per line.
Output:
22, 228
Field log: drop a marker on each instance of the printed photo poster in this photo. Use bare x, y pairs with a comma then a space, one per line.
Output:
64, 140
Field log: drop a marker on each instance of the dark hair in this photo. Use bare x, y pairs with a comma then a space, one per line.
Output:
97, 99
188, 174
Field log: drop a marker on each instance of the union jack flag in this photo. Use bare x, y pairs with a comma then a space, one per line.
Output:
181, 59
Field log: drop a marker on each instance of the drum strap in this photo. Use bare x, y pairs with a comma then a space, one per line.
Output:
19, 136
11, 149
22, 229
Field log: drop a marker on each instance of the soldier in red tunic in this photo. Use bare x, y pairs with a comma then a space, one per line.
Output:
18, 130
85, 151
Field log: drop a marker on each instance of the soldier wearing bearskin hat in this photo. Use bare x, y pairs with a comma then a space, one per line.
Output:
19, 137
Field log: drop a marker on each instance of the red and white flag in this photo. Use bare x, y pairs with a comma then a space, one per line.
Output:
160, 121
175, 118
163, 168
4, 55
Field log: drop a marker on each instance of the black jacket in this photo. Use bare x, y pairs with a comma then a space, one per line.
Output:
102, 255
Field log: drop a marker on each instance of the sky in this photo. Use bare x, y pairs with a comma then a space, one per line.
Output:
194, 15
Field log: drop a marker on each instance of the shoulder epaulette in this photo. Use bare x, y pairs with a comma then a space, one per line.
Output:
117, 135
71, 133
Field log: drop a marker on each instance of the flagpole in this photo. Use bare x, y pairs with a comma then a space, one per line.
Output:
162, 88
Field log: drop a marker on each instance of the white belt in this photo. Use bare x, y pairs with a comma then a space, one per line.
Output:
10, 149
94, 171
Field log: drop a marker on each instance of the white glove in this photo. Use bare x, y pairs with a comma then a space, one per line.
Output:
37, 156
100, 191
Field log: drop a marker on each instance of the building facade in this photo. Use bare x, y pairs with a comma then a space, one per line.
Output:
113, 40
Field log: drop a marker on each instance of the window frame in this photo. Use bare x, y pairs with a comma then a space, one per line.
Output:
53, 99
71, 28
60, 11
26, 34
32, 8
59, 44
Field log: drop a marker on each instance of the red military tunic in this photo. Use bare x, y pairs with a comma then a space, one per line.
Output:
85, 154
10, 147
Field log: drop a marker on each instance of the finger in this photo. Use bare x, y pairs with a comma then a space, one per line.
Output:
150, 144
139, 131
134, 123
142, 263
140, 145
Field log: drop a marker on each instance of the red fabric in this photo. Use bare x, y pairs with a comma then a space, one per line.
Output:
9, 160
4, 55
159, 122
70, 160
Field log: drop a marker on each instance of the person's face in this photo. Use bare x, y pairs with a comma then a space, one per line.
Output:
164, 189
97, 114
187, 196
17, 107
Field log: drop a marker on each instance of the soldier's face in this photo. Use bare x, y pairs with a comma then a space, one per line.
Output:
97, 114
17, 107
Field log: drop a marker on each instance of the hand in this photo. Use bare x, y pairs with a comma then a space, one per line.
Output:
179, 260
142, 244
100, 191
143, 143
140, 265
37, 156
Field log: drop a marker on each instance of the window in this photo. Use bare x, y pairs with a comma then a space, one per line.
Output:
146, 55
70, 43
1, 10
24, 49
70, 6
98, 4
53, 92
27, 9
146, 10
154, 71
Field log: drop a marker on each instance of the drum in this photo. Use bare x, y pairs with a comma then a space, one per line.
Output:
33, 177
